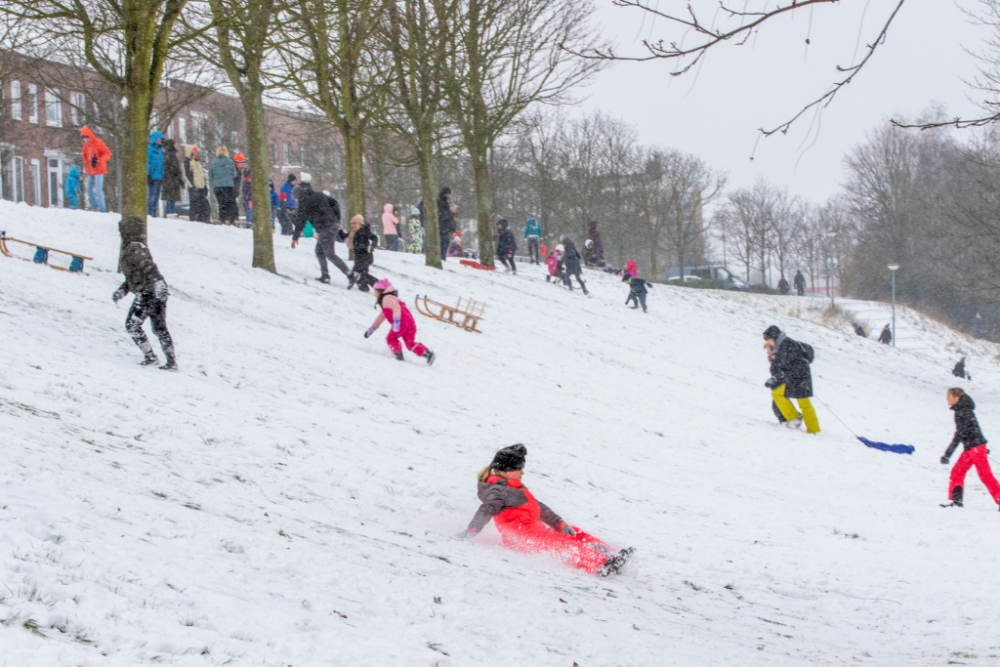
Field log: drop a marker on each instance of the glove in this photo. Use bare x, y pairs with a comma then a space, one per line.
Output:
772, 383
370, 331
465, 534
944, 460
93, 162
160, 290
568, 529
395, 324
118, 295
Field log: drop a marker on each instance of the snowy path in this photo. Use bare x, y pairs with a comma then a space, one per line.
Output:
289, 498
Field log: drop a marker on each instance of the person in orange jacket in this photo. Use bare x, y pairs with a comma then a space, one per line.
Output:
95, 163
526, 524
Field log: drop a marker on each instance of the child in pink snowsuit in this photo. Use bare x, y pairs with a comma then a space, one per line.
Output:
403, 324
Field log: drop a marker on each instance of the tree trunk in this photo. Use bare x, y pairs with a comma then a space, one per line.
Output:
354, 164
134, 139
263, 233
484, 206
432, 235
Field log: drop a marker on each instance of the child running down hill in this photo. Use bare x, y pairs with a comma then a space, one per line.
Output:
528, 525
403, 325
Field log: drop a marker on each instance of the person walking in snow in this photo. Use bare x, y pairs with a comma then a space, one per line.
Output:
506, 245
446, 220
800, 283
154, 173
363, 241
404, 327
390, 227
783, 287
794, 380
72, 186
286, 209
637, 291
95, 164
221, 175
554, 261
970, 436
859, 330
173, 179
525, 524
200, 209
886, 336
416, 229
571, 258
775, 372
533, 236
143, 279
324, 214
959, 370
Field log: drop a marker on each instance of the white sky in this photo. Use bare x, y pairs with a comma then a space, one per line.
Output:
715, 113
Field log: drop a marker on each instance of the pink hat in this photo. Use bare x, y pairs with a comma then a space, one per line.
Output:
384, 285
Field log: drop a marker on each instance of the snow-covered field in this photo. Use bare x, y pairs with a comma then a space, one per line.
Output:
290, 497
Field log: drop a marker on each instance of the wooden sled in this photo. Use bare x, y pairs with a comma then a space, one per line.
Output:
465, 314
42, 254
476, 265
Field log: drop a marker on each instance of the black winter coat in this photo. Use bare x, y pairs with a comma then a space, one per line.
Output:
959, 370
365, 240
506, 245
638, 285
313, 207
446, 219
800, 281
967, 429
173, 181
783, 286
141, 273
571, 258
795, 372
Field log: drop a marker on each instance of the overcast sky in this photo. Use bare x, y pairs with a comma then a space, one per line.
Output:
715, 112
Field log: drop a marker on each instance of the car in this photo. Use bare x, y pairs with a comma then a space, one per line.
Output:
712, 272
688, 278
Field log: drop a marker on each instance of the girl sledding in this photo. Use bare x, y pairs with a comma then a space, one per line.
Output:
403, 325
528, 525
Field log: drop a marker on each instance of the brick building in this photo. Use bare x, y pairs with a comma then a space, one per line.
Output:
43, 105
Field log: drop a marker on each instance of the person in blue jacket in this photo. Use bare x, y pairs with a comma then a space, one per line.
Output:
275, 202
287, 204
154, 172
72, 186
533, 235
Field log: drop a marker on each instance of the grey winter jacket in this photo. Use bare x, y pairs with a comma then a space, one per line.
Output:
497, 497
222, 172
141, 273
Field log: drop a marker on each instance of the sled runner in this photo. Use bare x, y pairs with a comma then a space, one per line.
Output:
42, 254
465, 315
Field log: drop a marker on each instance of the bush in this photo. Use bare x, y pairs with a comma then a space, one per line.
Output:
762, 289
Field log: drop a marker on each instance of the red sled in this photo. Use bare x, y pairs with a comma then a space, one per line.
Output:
476, 265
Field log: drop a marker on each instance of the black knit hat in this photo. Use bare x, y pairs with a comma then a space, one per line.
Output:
772, 332
291, 177
132, 229
510, 458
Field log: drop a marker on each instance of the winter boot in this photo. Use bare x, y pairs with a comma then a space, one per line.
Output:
615, 564
171, 365
956, 498
795, 423
352, 278
429, 356
324, 279
150, 360
398, 355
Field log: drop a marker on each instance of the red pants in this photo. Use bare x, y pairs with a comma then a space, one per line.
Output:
408, 332
583, 551
974, 457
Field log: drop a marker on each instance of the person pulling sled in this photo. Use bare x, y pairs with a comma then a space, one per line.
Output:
144, 279
795, 380
403, 325
968, 433
525, 524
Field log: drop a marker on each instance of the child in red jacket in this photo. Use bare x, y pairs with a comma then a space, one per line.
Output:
528, 525
403, 325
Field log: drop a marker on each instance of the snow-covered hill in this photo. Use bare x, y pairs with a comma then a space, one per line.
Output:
290, 497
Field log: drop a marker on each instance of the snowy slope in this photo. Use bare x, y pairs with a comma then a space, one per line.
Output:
289, 497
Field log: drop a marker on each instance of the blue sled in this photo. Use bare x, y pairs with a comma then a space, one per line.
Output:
895, 449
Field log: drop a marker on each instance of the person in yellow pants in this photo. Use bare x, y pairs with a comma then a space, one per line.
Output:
794, 380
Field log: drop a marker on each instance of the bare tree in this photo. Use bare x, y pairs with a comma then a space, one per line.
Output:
506, 55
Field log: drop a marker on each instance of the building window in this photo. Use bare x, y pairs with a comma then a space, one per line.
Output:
182, 130
15, 100
170, 130
36, 182
77, 107
273, 149
232, 138
53, 108
18, 179
286, 153
154, 121
302, 155
32, 103
198, 127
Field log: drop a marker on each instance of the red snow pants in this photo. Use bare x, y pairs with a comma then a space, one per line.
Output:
407, 331
582, 551
974, 457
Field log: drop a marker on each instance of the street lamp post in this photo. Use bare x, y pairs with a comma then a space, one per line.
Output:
831, 264
894, 268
